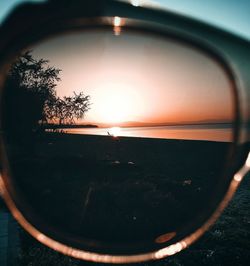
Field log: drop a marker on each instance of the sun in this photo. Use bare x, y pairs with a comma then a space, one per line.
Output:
116, 103
115, 108
114, 131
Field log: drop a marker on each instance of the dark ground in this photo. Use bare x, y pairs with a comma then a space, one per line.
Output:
227, 243
128, 190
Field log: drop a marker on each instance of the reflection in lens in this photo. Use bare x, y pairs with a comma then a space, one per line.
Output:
117, 139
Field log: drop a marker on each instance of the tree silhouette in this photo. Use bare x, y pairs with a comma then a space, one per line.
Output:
30, 101
66, 110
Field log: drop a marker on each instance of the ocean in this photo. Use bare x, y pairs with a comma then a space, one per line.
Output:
211, 132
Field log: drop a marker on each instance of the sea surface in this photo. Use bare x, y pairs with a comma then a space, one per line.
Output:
212, 132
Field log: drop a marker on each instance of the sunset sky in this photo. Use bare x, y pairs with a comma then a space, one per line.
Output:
135, 77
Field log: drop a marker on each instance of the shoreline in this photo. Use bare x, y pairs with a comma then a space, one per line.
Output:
78, 135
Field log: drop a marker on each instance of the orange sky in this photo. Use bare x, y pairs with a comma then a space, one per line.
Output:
135, 77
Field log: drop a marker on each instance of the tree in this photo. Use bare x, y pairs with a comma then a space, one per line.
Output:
66, 110
30, 100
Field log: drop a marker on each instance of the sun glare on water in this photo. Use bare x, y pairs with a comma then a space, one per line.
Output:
114, 131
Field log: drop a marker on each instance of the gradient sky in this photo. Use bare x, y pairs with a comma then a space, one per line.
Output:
231, 15
134, 77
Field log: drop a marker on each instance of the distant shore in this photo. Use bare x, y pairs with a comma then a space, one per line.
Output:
57, 126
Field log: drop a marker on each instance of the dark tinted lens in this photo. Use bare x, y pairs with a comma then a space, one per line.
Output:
116, 140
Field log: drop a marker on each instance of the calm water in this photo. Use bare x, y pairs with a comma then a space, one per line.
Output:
218, 132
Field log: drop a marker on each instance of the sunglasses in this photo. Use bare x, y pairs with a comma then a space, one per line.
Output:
124, 129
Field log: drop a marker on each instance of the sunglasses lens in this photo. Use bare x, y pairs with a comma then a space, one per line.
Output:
116, 142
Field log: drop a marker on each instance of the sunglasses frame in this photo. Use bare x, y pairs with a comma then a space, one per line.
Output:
31, 23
